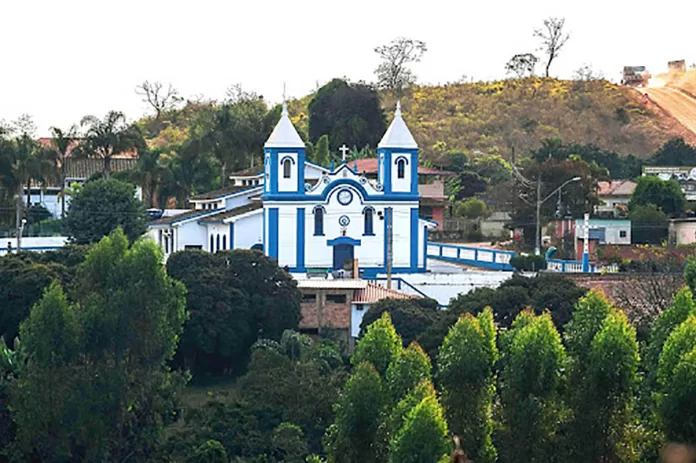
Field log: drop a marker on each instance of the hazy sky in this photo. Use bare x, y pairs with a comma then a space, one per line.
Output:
63, 59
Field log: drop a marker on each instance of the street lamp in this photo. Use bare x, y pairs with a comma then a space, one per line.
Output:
539, 202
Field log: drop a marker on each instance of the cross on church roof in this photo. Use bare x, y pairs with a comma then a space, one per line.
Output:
344, 150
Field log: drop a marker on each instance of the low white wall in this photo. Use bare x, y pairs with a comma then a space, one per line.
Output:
34, 243
445, 286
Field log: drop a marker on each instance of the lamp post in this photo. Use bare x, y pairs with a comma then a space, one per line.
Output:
539, 202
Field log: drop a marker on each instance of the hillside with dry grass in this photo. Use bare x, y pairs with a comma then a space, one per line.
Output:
495, 116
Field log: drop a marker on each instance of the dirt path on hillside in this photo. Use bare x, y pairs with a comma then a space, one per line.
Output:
677, 104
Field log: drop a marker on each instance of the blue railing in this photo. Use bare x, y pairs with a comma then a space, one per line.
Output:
497, 259
494, 259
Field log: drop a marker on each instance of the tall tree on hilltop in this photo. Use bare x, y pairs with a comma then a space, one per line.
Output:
161, 99
106, 138
553, 37
347, 113
393, 72
522, 65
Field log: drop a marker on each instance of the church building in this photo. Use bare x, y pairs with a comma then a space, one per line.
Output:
308, 217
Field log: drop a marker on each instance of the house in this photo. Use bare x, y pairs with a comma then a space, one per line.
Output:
682, 231
569, 234
431, 188
335, 308
614, 197
308, 217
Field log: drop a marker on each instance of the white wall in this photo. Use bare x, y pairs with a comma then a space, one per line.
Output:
685, 232
287, 235
215, 230
443, 286
287, 184
239, 200
401, 184
356, 317
190, 234
248, 231
34, 243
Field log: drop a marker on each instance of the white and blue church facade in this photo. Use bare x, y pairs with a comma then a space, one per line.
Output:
309, 217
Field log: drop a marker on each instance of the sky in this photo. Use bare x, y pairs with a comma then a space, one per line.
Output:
62, 60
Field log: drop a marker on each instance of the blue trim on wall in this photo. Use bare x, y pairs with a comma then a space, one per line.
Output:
300, 259
414, 172
414, 237
292, 161
300, 171
387, 218
343, 240
425, 247
263, 235
231, 235
273, 232
364, 196
401, 157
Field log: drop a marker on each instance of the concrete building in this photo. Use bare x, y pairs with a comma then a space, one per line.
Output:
614, 197
682, 231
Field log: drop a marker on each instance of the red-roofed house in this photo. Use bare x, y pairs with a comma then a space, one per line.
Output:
431, 187
614, 197
338, 305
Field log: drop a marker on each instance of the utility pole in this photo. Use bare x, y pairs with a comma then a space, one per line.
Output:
20, 231
390, 235
537, 242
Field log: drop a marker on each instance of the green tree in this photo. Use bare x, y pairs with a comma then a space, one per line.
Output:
465, 374
107, 363
410, 316
675, 152
321, 151
62, 142
423, 438
355, 435
380, 346
676, 377
531, 405
234, 297
649, 224
665, 194
290, 444
211, 451
348, 113
108, 137
407, 371
100, 207
471, 208
603, 371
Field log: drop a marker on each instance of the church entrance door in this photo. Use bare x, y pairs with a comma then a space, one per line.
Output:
343, 257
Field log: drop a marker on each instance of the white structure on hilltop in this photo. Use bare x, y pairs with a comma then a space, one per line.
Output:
309, 217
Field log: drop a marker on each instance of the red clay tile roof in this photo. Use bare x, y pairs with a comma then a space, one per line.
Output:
369, 166
616, 188
46, 142
373, 293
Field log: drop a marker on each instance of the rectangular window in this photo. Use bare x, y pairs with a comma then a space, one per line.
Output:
622, 234
336, 298
426, 212
309, 298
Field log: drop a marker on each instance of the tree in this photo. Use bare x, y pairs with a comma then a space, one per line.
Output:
471, 208
410, 317
465, 374
649, 224
675, 152
211, 451
423, 437
348, 113
676, 376
522, 65
100, 207
665, 194
148, 173
104, 139
158, 97
106, 362
393, 72
354, 436
234, 297
553, 38
62, 142
533, 363
322, 156
380, 346
586, 73
603, 370
407, 371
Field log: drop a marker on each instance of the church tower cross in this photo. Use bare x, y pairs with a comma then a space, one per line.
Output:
344, 150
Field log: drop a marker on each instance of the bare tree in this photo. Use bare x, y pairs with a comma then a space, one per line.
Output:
553, 38
522, 65
158, 97
585, 72
393, 72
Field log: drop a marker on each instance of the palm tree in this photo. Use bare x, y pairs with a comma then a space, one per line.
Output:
62, 142
149, 172
17, 161
111, 136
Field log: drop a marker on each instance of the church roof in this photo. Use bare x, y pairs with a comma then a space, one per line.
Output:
222, 192
224, 215
398, 135
284, 134
369, 166
373, 293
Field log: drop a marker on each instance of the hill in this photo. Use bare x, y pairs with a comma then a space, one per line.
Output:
494, 116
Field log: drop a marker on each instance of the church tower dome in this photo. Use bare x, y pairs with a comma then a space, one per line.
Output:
284, 159
397, 155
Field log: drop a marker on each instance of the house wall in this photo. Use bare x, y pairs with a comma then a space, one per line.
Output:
190, 234
323, 314
216, 230
683, 232
357, 312
439, 216
33, 243
445, 286
248, 231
